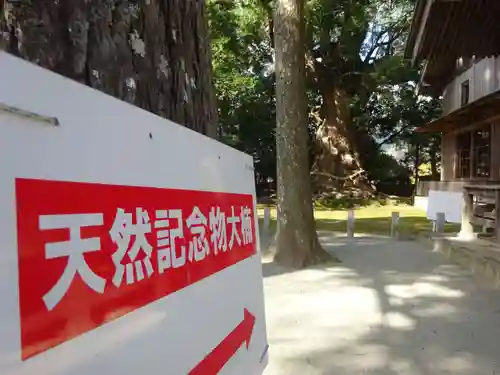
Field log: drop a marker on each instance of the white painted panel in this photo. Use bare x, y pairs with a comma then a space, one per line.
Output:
454, 98
444, 201
421, 203
448, 98
104, 140
467, 75
478, 70
484, 78
496, 64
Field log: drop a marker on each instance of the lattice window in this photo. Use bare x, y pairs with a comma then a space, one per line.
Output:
481, 152
474, 153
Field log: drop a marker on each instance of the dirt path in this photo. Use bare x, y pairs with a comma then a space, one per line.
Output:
389, 308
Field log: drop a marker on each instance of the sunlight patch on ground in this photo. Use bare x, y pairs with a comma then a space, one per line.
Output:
398, 320
389, 308
422, 289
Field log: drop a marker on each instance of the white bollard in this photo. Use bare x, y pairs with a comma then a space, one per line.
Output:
267, 221
439, 223
350, 223
395, 225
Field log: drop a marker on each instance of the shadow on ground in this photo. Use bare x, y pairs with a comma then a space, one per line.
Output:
389, 308
270, 268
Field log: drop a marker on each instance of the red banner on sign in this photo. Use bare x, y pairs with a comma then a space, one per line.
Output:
90, 253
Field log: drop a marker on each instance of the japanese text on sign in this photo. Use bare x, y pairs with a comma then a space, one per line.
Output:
96, 249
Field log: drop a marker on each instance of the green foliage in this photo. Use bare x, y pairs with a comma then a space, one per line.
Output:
242, 58
356, 45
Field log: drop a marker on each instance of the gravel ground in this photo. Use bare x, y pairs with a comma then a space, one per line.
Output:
389, 308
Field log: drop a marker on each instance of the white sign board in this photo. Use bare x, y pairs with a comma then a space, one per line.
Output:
129, 243
450, 203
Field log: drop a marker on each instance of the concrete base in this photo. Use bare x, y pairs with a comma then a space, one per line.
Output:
466, 237
481, 256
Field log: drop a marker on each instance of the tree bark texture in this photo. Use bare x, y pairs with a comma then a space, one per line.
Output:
151, 53
436, 175
297, 242
337, 164
417, 163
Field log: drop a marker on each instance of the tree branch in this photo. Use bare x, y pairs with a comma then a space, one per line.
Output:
397, 28
341, 178
378, 146
267, 5
374, 47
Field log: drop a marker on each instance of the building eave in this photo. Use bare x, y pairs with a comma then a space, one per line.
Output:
477, 112
442, 31
415, 27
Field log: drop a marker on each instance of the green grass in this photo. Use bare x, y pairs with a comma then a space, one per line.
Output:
344, 203
373, 218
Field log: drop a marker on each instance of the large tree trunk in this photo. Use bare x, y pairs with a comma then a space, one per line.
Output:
297, 241
436, 176
417, 163
337, 166
154, 54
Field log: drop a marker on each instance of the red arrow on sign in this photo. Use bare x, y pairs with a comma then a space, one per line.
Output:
223, 352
